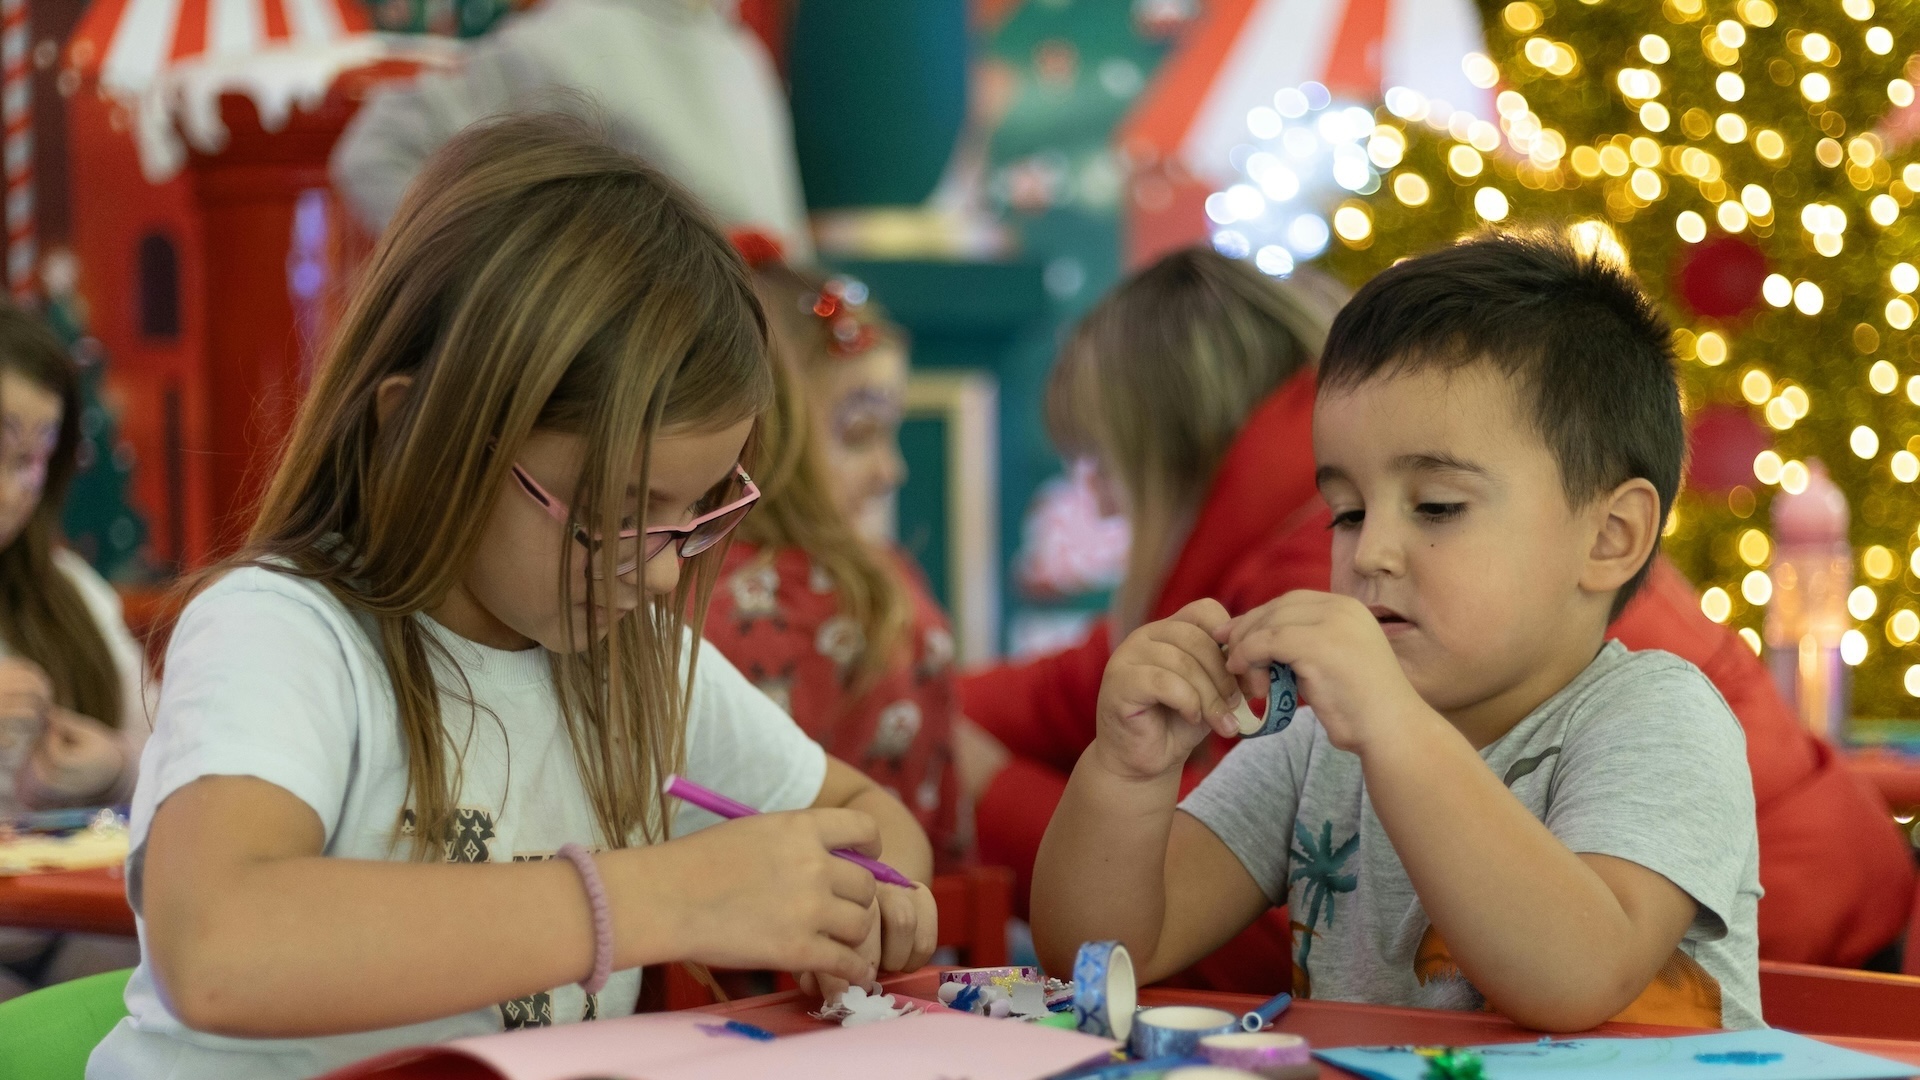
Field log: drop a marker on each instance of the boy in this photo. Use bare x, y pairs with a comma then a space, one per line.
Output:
1487, 805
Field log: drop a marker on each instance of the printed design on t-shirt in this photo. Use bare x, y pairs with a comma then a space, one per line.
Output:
1318, 878
818, 580
894, 730
536, 1010
466, 841
937, 651
1682, 994
1433, 960
755, 588
1528, 765
532, 1011
841, 640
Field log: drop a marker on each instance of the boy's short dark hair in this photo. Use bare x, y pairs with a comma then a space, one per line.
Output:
1591, 355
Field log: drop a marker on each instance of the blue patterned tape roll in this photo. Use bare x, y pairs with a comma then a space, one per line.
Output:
1176, 1030
1283, 699
1104, 992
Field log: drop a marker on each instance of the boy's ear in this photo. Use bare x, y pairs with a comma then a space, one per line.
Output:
1627, 526
389, 396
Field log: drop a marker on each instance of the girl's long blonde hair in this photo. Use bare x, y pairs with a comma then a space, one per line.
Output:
796, 507
533, 278
43, 617
1159, 377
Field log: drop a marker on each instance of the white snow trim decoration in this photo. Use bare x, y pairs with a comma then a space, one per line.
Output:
185, 99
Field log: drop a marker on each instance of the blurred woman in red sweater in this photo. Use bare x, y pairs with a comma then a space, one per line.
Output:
1191, 387
826, 618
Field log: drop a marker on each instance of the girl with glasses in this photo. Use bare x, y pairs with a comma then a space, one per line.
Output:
72, 718
815, 604
405, 782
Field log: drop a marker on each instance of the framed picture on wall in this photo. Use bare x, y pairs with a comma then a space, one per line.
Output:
947, 515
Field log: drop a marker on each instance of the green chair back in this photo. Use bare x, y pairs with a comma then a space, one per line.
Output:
48, 1034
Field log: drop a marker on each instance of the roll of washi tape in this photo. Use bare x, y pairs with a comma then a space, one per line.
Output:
1104, 991
1176, 1030
1209, 1072
1283, 700
1268, 1053
991, 976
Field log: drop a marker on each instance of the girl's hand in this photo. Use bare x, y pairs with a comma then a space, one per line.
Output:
1346, 667
767, 892
902, 939
76, 760
1165, 687
25, 690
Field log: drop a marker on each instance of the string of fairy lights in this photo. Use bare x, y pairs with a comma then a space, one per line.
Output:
1702, 142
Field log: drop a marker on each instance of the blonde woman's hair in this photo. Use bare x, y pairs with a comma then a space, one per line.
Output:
532, 278
43, 617
796, 507
1157, 380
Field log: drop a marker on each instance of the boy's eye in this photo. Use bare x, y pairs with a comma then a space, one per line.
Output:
1438, 511
1348, 519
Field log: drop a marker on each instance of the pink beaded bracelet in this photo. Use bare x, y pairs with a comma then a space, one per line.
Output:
582, 861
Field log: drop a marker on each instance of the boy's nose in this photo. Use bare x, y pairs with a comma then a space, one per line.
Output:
1379, 551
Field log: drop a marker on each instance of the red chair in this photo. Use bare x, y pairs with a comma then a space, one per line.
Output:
974, 905
1817, 1000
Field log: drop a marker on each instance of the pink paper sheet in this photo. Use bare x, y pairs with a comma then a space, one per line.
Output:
937, 1045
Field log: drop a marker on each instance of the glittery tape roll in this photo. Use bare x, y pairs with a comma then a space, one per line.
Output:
1264, 1052
1104, 991
992, 976
1176, 1030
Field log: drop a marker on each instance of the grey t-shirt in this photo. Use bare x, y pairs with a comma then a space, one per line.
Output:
1638, 758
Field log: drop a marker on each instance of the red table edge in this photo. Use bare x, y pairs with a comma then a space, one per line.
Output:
68, 901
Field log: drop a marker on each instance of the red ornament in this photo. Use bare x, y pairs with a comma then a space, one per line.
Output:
757, 248
1721, 278
1724, 441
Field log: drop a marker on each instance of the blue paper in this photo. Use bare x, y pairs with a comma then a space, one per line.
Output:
1761, 1054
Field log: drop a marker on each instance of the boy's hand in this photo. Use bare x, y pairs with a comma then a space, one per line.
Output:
902, 938
75, 761
1165, 687
1345, 666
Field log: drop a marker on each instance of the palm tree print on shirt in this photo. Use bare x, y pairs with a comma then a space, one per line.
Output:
1317, 868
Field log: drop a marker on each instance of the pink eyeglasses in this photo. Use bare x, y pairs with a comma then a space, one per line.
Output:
692, 538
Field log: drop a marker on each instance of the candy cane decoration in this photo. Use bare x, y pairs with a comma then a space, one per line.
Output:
16, 113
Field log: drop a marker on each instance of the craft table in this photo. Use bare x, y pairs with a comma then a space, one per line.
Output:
74, 901
1325, 1024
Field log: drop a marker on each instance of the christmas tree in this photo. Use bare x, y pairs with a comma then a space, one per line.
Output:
1734, 153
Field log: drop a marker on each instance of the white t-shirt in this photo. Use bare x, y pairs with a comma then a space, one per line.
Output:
270, 676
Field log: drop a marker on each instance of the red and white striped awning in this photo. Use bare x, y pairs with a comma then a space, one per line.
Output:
1243, 51
169, 61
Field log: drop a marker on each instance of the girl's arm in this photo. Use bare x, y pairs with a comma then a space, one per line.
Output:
253, 933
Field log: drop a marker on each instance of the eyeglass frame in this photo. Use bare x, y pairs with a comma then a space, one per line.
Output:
675, 536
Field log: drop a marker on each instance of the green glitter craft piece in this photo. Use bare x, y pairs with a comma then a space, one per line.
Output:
1449, 1063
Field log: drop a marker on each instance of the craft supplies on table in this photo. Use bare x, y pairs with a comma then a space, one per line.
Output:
1104, 990
715, 803
1759, 1054
1268, 1054
1262, 1018
1176, 1030
62, 840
